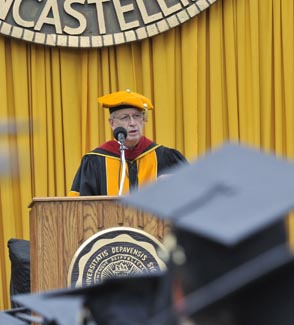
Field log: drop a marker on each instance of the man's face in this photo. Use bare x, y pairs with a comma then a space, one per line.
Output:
132, 120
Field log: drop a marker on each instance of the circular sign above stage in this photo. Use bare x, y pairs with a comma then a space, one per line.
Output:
94, 23
115, 252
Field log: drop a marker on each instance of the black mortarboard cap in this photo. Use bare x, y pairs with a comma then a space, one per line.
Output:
59, 311
126, 300
227, 195
10, 317
226, 208
10, 320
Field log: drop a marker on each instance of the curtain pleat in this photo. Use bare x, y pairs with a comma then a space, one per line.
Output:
226, 74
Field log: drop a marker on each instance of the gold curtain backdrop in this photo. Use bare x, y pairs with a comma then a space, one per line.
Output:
226, 74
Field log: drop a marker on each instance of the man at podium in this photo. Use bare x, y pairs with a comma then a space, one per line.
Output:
118, 166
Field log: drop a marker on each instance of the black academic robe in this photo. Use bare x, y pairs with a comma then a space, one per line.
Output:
100, 170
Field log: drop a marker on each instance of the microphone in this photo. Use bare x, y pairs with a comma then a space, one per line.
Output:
120, 134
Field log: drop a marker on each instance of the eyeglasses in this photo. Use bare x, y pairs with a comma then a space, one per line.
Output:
127, 118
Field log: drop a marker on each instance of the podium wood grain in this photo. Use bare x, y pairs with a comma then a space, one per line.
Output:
59, 226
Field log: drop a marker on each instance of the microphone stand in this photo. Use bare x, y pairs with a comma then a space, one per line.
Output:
123, 161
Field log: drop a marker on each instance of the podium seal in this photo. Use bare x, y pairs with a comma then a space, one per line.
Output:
115, 252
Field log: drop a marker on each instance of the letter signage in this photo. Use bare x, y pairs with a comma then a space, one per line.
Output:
93, 23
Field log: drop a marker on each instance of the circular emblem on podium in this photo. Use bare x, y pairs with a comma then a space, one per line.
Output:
115, 252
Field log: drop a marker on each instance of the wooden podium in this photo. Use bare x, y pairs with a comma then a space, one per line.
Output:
59, 225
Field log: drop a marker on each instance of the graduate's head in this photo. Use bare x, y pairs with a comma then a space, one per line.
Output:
128, 110
228, 240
